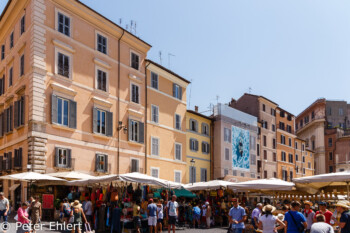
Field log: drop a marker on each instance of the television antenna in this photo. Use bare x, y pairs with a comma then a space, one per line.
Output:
189, 99
250, 90
160, 57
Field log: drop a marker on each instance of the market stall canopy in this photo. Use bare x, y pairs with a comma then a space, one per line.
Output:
145, 179
312, 184
184, 193
209, 185
71, 175
263, 184
30, 177
94, 180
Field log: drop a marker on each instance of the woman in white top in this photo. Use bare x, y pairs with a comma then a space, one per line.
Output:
160, 215
267, 221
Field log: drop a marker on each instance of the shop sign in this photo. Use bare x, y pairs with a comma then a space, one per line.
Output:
213, 193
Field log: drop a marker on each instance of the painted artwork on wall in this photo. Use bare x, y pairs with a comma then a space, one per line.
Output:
240, 149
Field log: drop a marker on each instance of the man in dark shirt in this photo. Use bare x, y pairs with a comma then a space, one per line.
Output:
344, 223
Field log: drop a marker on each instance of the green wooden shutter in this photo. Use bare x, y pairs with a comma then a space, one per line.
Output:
130, 130
180, 89
72, 114
56, 157
97, 161
106, 164
5, 121
94, 120
1, 163
11, 118
69, 158
1, 125
174, 89
22, 103
16, 114
10, 160
141, 132
53, 109
109, 123
20, 156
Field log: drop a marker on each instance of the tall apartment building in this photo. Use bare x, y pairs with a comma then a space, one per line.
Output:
304, 159
74, 95
166, 123
265, 111
286, 157
199, 147
235, 144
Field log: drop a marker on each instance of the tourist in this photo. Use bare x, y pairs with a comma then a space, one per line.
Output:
285, 209
267, 221
203, 215
320, 226
66, 210
152, 216
35, 211
196, 215
344, 223
323, 210
237, 216
256, 214
160, 215
137, 216
4, 207
88, 211
172, 213
78, 216
294, 220
23, 219
309, 215
279, 227
208, 214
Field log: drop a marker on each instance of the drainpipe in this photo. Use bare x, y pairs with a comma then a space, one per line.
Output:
118, 107
146, 125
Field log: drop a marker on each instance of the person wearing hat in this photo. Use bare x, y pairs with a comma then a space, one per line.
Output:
294, 220
280, 228
78, 214
152, 216
309, 215
344, 223
237, 216
208, 214
256, 214
323, 210
267, 221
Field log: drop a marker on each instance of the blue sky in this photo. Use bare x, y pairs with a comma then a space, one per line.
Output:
291, 51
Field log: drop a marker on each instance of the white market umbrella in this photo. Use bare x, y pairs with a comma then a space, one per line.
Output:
72, 175
94, 180
137, 177
209, 185
30, 177
263, 184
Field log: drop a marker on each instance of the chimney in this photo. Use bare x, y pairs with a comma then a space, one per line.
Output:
196, 108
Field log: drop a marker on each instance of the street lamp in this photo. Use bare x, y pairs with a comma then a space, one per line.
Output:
192, 165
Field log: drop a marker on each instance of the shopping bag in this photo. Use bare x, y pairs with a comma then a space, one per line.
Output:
88, 228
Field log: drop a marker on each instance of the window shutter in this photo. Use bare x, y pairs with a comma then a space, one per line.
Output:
94, 120
1, 125
141, 131
10, 160
1, 84
174, 90
109, 122
180, 89
16, 114
11, 118
22, 111
196, 142
69, 158
72, 114
190, 144
97, 161
56, 157
1, 163
106, 164
54, 109
137, 166
203, 149
20, 157
130, 130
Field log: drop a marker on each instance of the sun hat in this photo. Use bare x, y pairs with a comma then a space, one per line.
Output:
76, 204
206, 203
269, 208
343, 204
308, 203
280, 217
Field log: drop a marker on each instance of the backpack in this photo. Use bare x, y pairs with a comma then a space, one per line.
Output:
66, 209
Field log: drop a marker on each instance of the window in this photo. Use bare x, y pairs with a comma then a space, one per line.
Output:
282, 114
296, 145
135, 94
177, 122
21, 68
135, 59
264, 138
265, 154
273, 112
330, 169
265, 124
101, 80
281, 125
101, 163
252, 143
19, 112
8, 119
227, 135
265, 174
177, 91
242, 174
313, 144
2, 52
135, 165
2, 85
18, 158
62, 111
289, 129
263, 107
273, 128
258, 149
227, 154
63, 65
136, 131
193, 125
11, 40
290, 158
296, 157
275, 174
289, 141
284, 175
154, 80
302, 147
283, 139
225, 172
63, 23
101, 44
23, 24
303, 159
304, 171
178, 151
203, 175
205, 148
329, 111
234, 172
205, 129
155, 146
330, 155
330, 142
274, 157
177, 176
101, 122
11, 76
289, 117
291, 175
193, 144
192, 174
340, 112
62, 157
309, 165
283, 156
155, 172
155, 114
253, 159
313, 115
274, 143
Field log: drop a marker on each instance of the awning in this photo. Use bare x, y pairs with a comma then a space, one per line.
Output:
184, 193
14, 186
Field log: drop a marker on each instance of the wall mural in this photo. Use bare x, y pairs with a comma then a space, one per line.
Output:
240, 148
